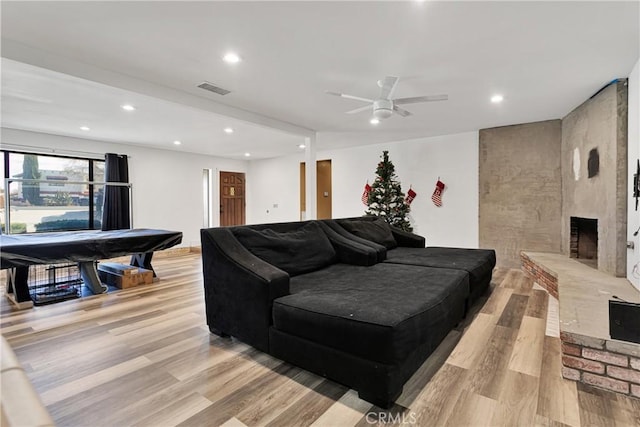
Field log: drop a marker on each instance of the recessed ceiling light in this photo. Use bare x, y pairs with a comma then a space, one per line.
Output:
302, 146
128, 107
231, 58
176, 142
228, 130
496, 99
85, 128
374, 121
247, 154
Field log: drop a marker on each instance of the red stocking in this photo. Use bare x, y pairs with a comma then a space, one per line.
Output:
437, 194
410, 196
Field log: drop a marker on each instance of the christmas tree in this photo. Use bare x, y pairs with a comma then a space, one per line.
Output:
386, 198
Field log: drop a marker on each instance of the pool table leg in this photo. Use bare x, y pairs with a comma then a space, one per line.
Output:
143, 261
17, 287
90, 277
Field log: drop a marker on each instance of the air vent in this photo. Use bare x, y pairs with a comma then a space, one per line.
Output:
213, 88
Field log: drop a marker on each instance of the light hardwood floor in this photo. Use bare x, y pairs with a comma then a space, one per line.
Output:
144, 357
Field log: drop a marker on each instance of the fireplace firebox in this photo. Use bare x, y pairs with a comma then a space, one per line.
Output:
584, 240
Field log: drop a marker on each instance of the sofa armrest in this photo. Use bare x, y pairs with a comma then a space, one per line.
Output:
350, 251
21, 405
407, 239
239, 288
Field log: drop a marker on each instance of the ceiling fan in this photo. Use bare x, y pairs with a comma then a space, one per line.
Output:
384, 105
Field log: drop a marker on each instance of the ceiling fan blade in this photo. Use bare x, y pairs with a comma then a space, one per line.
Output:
416, 99
387, 86
358, 110
400, 111
344, 95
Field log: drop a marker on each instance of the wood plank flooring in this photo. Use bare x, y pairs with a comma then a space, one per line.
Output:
144, 357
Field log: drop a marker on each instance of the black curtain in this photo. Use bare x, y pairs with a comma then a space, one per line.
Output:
115, 210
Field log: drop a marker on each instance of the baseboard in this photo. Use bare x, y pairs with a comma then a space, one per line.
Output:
166, 253
172, 252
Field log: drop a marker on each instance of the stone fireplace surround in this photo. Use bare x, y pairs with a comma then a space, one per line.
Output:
534, 177
599, 124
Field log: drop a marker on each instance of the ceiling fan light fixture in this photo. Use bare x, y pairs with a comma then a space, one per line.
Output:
382, 113
231, 58
382, 109
374, 121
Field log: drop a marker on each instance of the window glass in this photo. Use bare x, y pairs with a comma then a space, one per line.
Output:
48, 193
2, 194
98, 192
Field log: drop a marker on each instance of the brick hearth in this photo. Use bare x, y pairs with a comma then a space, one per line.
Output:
545, 278
589, 355
610, 364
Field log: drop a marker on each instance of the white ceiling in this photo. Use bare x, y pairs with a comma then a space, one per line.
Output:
42, 100
544, 57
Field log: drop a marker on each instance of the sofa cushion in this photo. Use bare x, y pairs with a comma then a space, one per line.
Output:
380, 313
376, 230
299, 251
479, 263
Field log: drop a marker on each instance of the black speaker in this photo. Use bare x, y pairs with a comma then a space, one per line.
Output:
624, 321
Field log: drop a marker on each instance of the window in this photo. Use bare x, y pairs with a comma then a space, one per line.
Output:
206, 198
50, 193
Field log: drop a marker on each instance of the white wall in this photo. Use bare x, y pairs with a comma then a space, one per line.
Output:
273, 190
633, 216
166, 184
418, 162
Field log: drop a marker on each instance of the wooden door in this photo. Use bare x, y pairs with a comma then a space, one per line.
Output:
303, 190
232, 201
323, 189
324, 194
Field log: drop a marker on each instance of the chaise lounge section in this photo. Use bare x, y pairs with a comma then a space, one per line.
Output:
323, 301
399, 247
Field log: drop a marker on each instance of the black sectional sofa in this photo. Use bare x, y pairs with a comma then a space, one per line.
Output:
353, 300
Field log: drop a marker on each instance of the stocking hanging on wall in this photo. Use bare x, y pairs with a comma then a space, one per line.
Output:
365, 194
437, 194
410, 196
